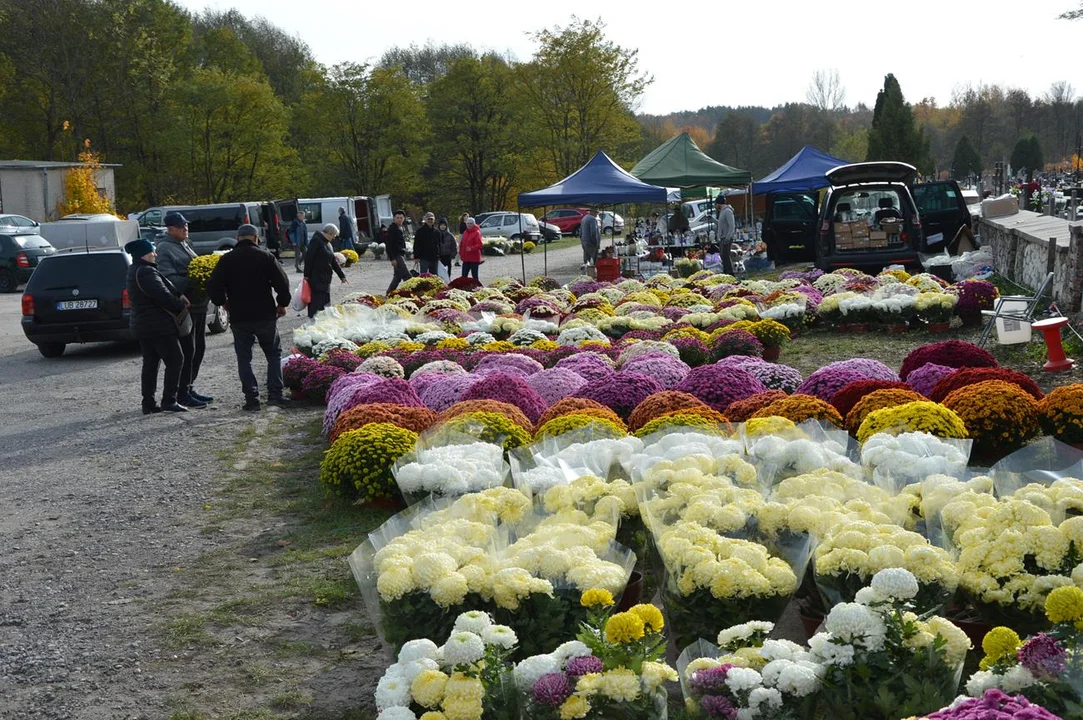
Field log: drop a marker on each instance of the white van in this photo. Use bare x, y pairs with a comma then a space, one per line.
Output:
367, 213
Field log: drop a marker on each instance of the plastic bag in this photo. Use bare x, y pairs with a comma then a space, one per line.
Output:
442, 272
1043, 461
298, 302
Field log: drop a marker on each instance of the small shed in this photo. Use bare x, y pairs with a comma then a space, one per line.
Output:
34, 187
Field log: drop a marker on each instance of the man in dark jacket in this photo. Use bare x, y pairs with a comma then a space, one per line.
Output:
319, 264
345, 229
154, 302
427, 244
252, 284
396, 251
449, 248
174, 254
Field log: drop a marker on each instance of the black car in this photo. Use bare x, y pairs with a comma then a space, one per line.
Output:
20, 253
789, 226
78, 296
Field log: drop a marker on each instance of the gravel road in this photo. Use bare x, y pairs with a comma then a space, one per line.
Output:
99, 507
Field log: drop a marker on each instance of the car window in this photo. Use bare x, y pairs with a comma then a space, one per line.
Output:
78, 270
313, 212
510, 220
789, 208
935, 197
30, 241
225, 219
150, 217
21, 221
491, 221
864, 204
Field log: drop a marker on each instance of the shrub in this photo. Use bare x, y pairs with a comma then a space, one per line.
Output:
971, 376
677, 420
742, 410
828, 380
735, 342
359, 462
296, 370
318, 382
598, 427
577, 405
720, 386
489, 427
621, 393
878, 400
409, 418
493, 406
923, 416
849, 395
508, 389
1061, 413
662, 403
953, 353
998, 415
799, 408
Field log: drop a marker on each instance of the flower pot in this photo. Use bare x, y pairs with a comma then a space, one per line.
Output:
938, 327
770, 354
389, 504
970, 318
896, 328
632, 592
857, 327
298, 395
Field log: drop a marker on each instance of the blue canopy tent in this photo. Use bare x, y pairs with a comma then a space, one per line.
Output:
804, 171
600, 182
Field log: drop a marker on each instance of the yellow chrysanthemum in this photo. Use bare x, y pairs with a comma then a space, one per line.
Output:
596, 597
433, 716
576, 706
1000, 642
650, 615
623, 628
1065, 604
620, 685
428, 688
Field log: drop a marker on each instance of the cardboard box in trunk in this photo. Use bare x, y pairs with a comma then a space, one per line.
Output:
877, 239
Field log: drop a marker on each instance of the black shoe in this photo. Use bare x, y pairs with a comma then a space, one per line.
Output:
174, 407
280, 402
201, 398
252, 405
191, 403
151, 409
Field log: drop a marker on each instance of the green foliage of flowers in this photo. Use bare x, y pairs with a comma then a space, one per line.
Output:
359, 463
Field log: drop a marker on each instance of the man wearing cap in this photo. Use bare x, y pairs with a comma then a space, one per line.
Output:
727, 229
427, 244
590, 237
395, 245
319, 264
174, 254
252, 284
345, 229
154, 303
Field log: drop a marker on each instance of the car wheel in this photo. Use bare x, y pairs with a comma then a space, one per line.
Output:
575, 231
8, 282
51, 350
219, 320
516, 236
607, 231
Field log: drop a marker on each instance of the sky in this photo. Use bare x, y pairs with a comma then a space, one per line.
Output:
727, 53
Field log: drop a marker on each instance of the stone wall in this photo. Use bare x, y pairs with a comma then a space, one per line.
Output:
1026, 259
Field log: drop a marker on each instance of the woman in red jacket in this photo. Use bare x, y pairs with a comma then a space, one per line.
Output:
470, 248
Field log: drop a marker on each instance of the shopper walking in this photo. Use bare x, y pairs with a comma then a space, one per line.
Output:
155, 302
462, 223
346, 233
727, 230
250, 282
590, 237
427, 244
470, 249
395, 245
319, 264
298, 234
174, 253
448, 247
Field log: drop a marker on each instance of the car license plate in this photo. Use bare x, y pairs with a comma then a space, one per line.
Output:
77, 305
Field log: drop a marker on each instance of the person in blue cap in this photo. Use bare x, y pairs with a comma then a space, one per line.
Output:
174, 254
155, 302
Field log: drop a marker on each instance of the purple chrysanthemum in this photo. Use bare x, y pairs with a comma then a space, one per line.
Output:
342, 358
716, 706
693, 352
815, 297
828, 380
621, 393
720, 386
442, 395
585, 287
774, 376
591, 366
1043, 656
552, 689
666, 369
296, 369
736, 342
556, 383
340, 396
388, 390
675, 313
507, 388
584, 665
710, 680
319, 380
994, 705
925, 378
502, 361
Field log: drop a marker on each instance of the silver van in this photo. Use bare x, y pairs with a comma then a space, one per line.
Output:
210, 227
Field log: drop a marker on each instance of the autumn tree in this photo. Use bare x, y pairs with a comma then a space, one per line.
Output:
81, 194
426, 64
737, 140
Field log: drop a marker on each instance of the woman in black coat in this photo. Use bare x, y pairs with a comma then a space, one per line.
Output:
155, 302
319, 264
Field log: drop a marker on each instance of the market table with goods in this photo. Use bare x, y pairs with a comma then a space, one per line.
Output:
607, 496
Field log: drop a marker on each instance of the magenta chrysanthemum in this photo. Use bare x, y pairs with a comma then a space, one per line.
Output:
507, 388
584, 665
666, 369
502, 361
716, 706
1043, 656
925, 378
590, 366
720, 386
828, 380
552, 689
621, 393
442, 395
556, 383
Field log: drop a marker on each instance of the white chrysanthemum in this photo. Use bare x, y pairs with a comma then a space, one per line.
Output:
868, 596
981, 681
744, 631
828, 651
897, 583
397, 713
472, 621
463, 648
742, 679
793, 678
1016, 679
766, 697
411, 670
747, 714
417, 649
528, 671
779, 650
499, 635
391, 691
856, 624
569, 650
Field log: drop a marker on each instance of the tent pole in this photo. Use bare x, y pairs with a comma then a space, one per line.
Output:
522, 255
545, 249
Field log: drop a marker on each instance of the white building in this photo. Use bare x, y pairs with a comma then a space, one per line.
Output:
34, 187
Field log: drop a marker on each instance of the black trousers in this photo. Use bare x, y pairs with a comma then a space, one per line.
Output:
445, 260
471, 269
157, 350
727, 258
320, 300
245, 335
401, 273
194, 346
428, 266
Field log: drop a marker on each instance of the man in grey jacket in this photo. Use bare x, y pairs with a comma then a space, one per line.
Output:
174, 254
727, 230
590, 237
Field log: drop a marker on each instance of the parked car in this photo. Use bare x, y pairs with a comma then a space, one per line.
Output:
21, 249
790, 225
550, 232
873, 196
514, 226
210, 227
19, 222
611, 223
944, 210
567, 219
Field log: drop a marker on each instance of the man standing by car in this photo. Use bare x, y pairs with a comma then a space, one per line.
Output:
727, 229
320, 262
298, 234
427, 244
174, 254
345, 229
250, 282
395, 245
590, 237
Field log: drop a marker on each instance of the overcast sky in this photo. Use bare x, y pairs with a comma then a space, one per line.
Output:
727, 53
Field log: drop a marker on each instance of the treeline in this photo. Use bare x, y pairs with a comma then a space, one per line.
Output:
218, 107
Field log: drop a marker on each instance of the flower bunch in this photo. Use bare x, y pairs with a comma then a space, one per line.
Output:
667, 370
706, 421
508, 389
919, 416
622, 392
591, 366
462, 679
416, 419
489, 427
927, 282
490, 406
970, 376
912, 456
503, 362
878, 400
1061, 413
742, 410
383, 366
426, 285
296, 370
693, 351
998, 415
735, 341
200, 269
388, 390
359, 462
935, 307
849, 394
719, 386
577, 405
439, 396
974, 296
451, 469
351, 256
318, 381
952, 353
599, 427
993, 703
577, 336
828, 380
662, 403
925, 378
800, 408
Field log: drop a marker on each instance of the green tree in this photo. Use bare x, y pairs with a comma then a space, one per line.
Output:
851, 145
424, 65
477, 144
371, 128
581, 89
737, 141
1027, 155
893, 135
965, 160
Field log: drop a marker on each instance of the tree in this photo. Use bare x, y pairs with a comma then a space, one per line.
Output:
1027, 155
81, 193
1073, 14
965, 161
581, 90
826, 92
851, 145
791, 128
737, 140
893, 135
423, 65
1061, 99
